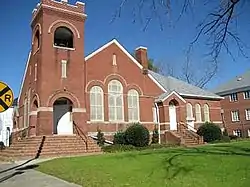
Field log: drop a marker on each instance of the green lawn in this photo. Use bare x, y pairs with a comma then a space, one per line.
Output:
219, 165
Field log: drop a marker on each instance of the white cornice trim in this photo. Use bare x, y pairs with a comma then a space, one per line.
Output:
24, 75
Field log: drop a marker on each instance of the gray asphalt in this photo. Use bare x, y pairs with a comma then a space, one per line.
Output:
26, 176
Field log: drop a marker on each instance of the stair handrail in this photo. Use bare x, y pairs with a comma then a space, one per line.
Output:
190, 131
81, 134
18, 132
186, 126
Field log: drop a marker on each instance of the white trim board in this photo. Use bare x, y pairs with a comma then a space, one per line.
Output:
24, 75
174, 93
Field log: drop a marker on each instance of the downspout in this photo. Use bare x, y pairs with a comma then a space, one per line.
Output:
158, 122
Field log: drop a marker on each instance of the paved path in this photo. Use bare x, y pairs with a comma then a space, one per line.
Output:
24, 176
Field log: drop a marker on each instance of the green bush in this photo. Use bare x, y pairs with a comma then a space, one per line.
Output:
123, 148
119, 138
225, 133
233, 137
155, 137
210, 132
137, 135
117, 148
224, 139
100, 137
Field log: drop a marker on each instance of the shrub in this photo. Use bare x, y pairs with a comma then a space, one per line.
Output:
224, 139
155, 137
100, 137
225, 133
137, 135
233, 137
2, 146
210, 132
123, 148
117, 148
119, 138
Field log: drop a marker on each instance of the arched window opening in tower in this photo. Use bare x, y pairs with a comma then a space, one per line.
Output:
36, 41
63, 37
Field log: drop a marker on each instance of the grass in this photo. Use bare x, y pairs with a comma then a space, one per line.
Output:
218, 165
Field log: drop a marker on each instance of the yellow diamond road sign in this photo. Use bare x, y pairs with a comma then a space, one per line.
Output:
6, 97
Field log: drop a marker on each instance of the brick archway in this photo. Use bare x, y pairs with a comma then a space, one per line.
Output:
64, 23
64, 94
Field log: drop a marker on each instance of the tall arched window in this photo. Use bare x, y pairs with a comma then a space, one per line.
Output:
206, 113
133, 106
96, 104
28, 106
36, 41
198, 112
189, 111
25, 113
115, 100
63, 37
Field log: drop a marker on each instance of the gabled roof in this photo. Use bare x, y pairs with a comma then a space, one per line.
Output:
239, 83
114, 41
182, 88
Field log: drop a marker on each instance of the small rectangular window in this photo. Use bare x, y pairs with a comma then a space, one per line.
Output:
246, 94
64, 69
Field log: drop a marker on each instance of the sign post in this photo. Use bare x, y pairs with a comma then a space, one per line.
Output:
6, 97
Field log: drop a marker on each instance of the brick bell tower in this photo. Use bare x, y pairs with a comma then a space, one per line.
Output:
57, 59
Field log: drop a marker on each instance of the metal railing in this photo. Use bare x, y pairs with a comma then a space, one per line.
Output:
81, 134
187, 129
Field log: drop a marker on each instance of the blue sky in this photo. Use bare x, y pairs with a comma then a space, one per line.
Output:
167, 46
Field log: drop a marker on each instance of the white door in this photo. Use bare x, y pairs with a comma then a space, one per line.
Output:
191, 125
65, 125
172, 117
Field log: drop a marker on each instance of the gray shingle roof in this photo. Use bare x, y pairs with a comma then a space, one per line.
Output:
239, 83
184, 89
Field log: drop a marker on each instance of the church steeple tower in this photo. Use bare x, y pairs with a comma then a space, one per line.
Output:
57, 68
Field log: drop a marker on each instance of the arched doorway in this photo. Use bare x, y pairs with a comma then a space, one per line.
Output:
172, 114
62, 117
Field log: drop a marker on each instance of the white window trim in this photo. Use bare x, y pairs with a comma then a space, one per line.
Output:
138, 105
247, 112
244, 95
191, 116
65, 48
230, 97
236, 134
198, 113
102, 105
206, 110
110, 94
232, 116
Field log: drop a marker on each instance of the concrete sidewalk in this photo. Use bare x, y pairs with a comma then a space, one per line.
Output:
25, 176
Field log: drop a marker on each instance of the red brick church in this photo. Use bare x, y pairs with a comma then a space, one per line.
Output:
109, 88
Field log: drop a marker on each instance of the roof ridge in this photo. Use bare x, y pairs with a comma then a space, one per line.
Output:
182, 87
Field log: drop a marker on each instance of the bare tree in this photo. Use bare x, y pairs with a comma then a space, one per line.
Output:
217, 31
